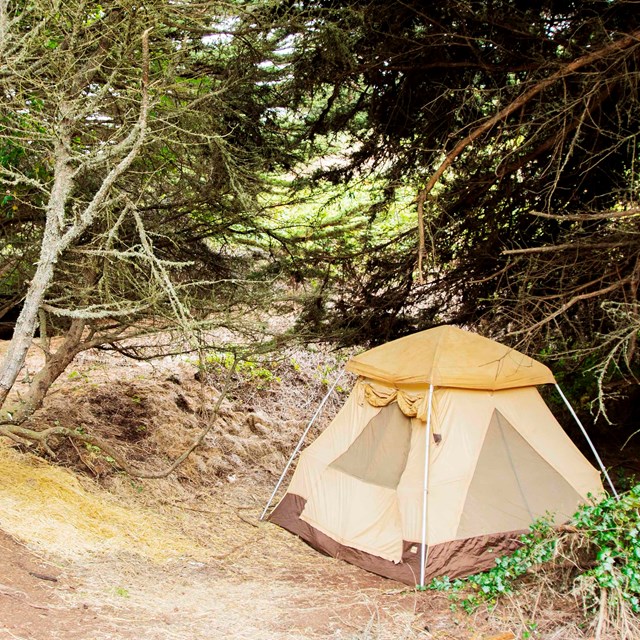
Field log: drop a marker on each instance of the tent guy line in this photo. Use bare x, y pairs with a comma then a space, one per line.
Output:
591, 445
299, 445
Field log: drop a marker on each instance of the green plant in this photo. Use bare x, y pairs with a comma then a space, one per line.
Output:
625, 479
613, 528
257, 371
602, 543
96, 452
538, 546
325, 373
138, 488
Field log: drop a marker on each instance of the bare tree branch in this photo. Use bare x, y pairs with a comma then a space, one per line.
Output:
563, 247
565, 307
578, 217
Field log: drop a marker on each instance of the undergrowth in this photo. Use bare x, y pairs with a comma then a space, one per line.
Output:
595, 559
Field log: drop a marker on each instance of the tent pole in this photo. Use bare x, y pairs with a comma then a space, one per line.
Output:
425, 489
299, 445
586, 435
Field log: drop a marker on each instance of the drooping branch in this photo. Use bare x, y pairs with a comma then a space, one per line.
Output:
138, 133
570, 303
580, 217
566, 70
523, 99
563, 247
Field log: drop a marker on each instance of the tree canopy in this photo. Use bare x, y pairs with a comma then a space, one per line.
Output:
134, 144
515, 127
387, 166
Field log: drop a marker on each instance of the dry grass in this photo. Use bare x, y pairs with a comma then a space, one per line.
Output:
247, 579
560, 600
50, 508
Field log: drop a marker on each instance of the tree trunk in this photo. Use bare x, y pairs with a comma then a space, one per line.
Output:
54, 366
49, 253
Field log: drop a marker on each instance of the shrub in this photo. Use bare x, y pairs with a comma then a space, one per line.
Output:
596, 557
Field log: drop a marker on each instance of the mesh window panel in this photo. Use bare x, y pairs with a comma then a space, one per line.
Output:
379, 454
512, 485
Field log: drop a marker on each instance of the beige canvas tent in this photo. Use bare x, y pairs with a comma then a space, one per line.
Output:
374, 490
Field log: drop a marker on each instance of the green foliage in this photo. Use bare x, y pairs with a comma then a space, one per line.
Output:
326, 226
370, 88
538, 547
608, 531
260, 372
613, 527
584, 378
205, 154
326, 374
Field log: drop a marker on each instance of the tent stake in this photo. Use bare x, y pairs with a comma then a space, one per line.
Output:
425, 489
586, 435
304, 435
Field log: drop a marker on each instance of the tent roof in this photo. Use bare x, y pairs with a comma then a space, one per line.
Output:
450, 357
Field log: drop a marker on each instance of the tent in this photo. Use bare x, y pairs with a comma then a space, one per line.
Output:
375, 491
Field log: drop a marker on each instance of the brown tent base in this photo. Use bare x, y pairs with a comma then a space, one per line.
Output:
456, 559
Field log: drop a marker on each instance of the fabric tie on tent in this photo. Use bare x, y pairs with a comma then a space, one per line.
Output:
414, 404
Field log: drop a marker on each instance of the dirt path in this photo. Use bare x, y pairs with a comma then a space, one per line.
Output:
32, 598
276, 588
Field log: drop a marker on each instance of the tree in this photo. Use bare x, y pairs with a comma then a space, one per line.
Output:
132, 151
512, 125
516, 126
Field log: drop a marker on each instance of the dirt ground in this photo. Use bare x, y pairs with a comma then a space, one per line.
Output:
89, 553
269, 586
